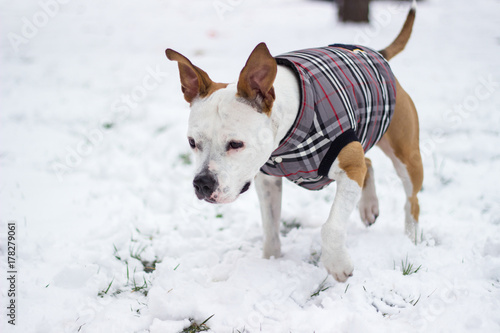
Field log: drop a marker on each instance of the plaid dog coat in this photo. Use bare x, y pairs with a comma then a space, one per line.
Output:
348, 93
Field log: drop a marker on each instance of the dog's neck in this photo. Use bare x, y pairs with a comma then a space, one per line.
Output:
287, 103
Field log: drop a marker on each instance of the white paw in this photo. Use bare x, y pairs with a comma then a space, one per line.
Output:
338, 263
411, 225
271, 249
412, 230
368, 209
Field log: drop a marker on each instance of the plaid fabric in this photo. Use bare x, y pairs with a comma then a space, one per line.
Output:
348, 93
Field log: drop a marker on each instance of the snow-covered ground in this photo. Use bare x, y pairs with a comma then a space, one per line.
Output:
96, 174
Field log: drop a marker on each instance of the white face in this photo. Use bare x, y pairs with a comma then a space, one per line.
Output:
231, 141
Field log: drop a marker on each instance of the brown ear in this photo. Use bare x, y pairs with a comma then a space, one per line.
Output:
257, 78
194, 81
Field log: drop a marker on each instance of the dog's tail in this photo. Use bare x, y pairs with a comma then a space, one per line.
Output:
400, 42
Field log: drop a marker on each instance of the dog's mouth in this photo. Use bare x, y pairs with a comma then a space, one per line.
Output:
213, 200
245, 187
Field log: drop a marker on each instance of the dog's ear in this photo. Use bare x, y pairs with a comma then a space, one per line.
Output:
257, 78
194, 81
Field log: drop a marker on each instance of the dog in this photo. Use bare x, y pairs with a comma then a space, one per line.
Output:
308, 116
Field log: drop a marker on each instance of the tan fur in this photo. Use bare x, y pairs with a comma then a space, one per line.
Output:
194, 81
399, 43
214, 87
402, 140
368, 164
352, 160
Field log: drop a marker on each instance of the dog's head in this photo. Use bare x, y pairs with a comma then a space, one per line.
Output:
230, 128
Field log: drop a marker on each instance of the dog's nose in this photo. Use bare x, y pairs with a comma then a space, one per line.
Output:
204, 186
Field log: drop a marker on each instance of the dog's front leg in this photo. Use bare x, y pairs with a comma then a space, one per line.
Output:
348, 171
269, 193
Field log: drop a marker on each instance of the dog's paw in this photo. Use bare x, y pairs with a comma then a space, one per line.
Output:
337, 263
271, 249
411, 225
368, 209
412, 230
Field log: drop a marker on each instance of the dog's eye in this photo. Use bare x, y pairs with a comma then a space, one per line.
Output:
234, 145
192, 143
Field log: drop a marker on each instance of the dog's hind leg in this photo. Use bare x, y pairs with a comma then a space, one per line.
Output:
401, 144
269, 190
368, 204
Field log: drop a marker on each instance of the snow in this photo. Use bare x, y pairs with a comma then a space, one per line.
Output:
95, 173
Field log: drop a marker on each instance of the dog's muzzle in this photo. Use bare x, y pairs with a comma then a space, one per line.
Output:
204, 186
